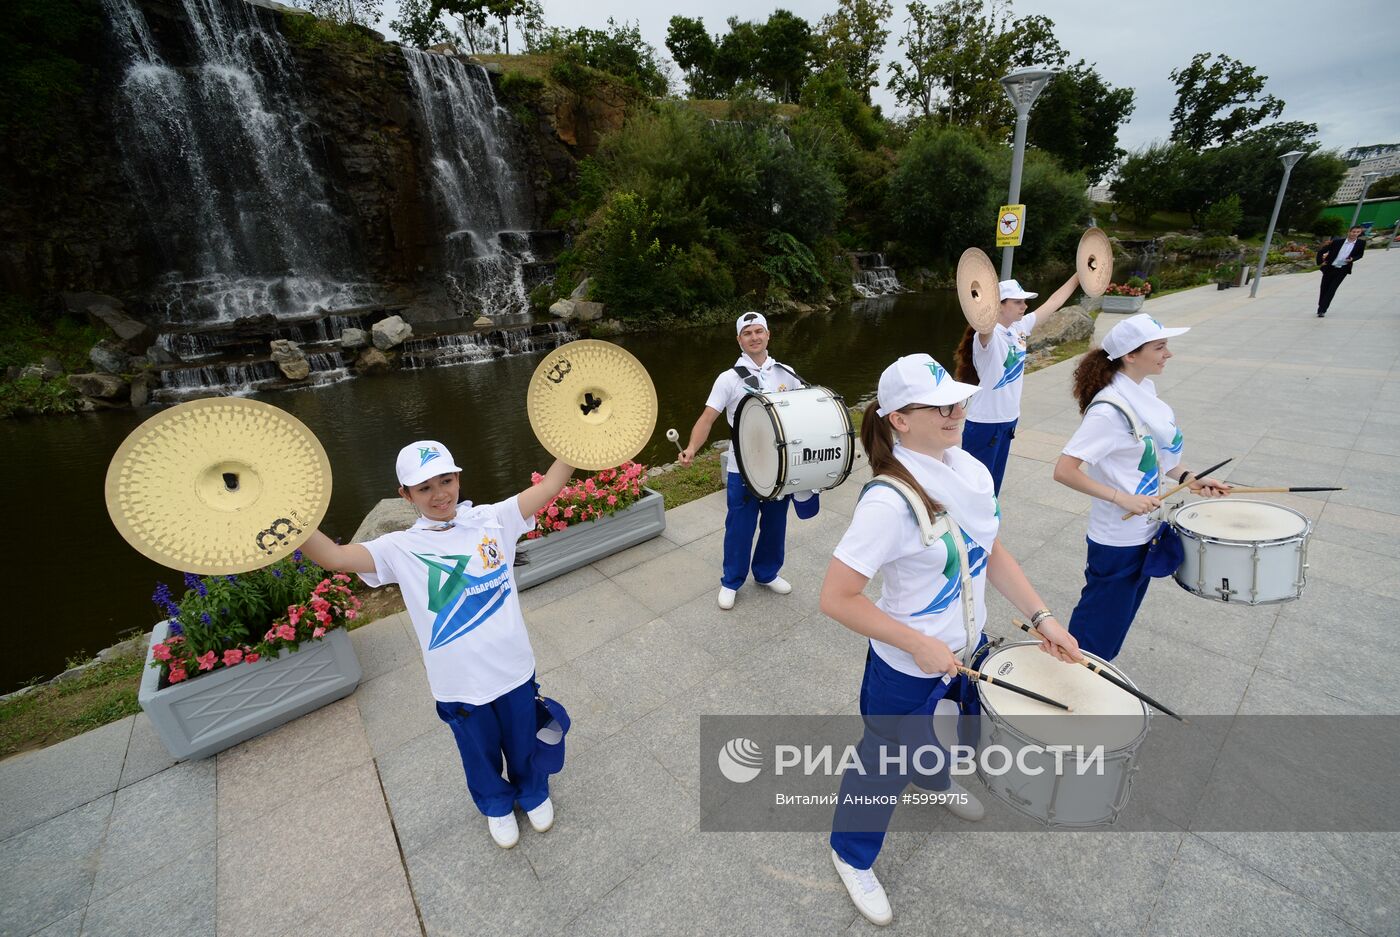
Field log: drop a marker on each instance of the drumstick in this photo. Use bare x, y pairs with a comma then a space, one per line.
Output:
675, 437
1256, 491
1096, 668
978, 675
1184, 484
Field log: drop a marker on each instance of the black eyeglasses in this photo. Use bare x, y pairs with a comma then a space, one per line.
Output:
944, 410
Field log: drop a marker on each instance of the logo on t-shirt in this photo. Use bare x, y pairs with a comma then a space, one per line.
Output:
952, 588
490, 553
1013, 367
1177, 442
461, 601
1147, 465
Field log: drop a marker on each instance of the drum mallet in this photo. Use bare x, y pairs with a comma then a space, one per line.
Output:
1094, 667
1194, 476
1244, 490
978, 675
675, 437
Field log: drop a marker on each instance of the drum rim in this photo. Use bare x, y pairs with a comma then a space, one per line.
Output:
1214, 538
1003, 720
770, 409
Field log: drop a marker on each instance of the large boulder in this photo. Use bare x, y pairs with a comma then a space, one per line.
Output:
391, 332
133, 335
582, 290
289, 357
563, 308
371, 361
385, 517
141, 386
1066, 324
588, 312
99, 386
351, 339
106, 356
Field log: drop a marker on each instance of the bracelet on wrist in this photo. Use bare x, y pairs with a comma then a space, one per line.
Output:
1181, 479
1039, 616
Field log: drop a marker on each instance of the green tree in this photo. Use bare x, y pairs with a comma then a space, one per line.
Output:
1217, 99
528, 14
1076, 120
942, 196
1385, 188
356, 12
416, 27
784, 60
1223, 216
1148, 180
618, 50
694, 52
852, 39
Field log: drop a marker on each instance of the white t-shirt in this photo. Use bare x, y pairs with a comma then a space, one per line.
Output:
1112, 456
729, 389
922, 586
1000, 367
1344, 253
461, 595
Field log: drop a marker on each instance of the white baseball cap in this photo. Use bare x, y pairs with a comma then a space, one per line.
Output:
1134, 332
748, 319
1011, 289
422, 460
919, 379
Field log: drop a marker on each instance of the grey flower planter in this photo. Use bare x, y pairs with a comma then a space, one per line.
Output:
217, 710
1122, 304
585, 543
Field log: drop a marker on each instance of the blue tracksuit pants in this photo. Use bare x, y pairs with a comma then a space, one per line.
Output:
1114, 586
502, 730
747, 514
990, 444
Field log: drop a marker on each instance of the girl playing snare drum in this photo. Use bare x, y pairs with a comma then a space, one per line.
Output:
921, 628
1126, 442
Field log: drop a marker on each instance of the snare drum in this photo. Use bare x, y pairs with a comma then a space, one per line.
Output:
792, 441
1251, 552
1085, 793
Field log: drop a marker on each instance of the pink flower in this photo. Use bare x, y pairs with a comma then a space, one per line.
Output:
612, 499
271, 633
552, 510
341, 577
286, 632
160, 651
536, 478
568, 512
590, 485
206, 660
294, 613
177, 674
560, 525
318, 632
233, 656
352, 614
251, 657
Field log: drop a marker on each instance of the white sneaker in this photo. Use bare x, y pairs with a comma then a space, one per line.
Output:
865, 890
778, 584
504, 830
962, 803
726, 598
542, 817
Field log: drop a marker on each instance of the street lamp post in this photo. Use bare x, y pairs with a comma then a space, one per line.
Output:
1288, 159
1366, 180
1022, 86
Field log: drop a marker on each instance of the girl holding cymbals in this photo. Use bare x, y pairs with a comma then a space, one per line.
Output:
929, 617
1127, 440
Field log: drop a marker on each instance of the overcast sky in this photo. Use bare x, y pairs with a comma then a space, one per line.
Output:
1335, 64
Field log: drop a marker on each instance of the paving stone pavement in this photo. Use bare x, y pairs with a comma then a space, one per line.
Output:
354, 819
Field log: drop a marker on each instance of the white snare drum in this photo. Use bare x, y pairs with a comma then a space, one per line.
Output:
792, 441
1085, 793
1251, 552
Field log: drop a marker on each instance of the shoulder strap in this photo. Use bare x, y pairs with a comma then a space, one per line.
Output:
930, 532
1123, 407
747, 376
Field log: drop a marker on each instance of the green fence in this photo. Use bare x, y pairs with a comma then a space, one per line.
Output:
1382, 213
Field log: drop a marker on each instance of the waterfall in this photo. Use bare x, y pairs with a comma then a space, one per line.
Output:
872, 277
437, 351
483, 196
219, 157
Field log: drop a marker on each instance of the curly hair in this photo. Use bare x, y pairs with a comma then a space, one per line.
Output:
1092, 375
963, 368
877, 436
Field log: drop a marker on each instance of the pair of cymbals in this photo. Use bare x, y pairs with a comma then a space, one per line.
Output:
977, 282
227, 485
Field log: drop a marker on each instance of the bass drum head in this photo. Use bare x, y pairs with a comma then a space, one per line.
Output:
1241, 521
755, 445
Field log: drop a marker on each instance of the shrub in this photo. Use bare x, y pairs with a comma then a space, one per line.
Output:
1223, 216
1328, 226
791, 265
941, 195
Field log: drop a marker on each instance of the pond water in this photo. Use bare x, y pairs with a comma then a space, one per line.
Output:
81, 586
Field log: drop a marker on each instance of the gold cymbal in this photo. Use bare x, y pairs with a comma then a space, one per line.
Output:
591, 404
978, 293
1094, 262
218, 486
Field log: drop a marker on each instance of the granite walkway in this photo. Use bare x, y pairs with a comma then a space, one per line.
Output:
353, 820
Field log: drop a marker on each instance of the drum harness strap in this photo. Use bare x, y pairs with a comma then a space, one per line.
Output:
930, 530
750, 378
1135, 425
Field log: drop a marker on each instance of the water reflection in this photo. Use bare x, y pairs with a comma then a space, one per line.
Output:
81, 586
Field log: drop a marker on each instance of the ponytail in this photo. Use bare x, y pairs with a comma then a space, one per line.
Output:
877, 437
963, 368
1093, 374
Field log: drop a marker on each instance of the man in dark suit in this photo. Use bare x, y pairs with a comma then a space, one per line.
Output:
1335, 260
